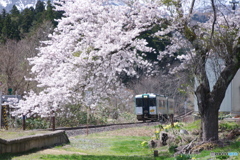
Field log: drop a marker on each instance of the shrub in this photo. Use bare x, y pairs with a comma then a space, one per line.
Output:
182, 157
37, 123
172, 149
222, 157
223, 115
75, 115
227, 126
144, 144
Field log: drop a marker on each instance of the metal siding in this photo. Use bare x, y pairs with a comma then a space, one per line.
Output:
157, 104
226, 105
0, 108
227, 101
236, 94
195, 98
170, 106
162, 109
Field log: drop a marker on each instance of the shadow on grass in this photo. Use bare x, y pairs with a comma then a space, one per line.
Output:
10, 156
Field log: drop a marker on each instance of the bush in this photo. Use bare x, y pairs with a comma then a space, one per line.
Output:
222, 157
13, 123
172, 149
223, 115
125, 117
37, 123
227, 126
182, 157
75, 115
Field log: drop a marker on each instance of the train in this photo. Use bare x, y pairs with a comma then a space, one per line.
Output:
153, 107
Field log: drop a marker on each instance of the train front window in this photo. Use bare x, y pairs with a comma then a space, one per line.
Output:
145, 102
152, 102
139, 102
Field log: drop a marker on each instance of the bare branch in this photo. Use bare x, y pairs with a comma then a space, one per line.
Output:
192, 5
214, 18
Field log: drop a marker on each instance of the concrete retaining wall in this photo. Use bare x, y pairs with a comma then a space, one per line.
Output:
32, 142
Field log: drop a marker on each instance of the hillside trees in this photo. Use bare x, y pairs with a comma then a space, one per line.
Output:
50, 15
14, 11
16, 25
20, 35
13, 63
27, 20
14, 67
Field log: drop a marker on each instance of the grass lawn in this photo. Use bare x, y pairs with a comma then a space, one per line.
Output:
12, 134
118, 144
192, 126
124, 144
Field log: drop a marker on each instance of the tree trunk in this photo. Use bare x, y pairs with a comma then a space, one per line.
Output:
208, 110
209, 102
210, 125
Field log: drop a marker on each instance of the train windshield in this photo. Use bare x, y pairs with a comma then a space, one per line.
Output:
139, 102
152, 101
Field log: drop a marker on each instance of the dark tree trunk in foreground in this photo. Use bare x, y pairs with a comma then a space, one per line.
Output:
209, 101
221, 46
209, 122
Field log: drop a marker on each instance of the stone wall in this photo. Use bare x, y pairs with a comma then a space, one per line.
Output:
33, 142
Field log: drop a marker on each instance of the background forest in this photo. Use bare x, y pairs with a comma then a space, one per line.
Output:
20, 36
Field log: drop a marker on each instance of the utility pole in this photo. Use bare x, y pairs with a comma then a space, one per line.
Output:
0, 105
234, 4
0, 108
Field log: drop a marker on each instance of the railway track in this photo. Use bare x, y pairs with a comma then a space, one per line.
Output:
74, 131
180, 117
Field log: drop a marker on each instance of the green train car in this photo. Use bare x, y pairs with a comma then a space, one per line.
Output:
153, 107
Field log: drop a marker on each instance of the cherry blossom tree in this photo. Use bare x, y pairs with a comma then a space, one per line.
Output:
96, 41
93, 44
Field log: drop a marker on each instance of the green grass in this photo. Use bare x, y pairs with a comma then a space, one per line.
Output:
124, 144
29, 155
106, 145
95, 157
227, 126
233, 147
192, 126
98, 144
12, 134
204, 155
